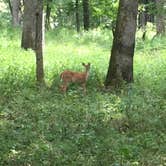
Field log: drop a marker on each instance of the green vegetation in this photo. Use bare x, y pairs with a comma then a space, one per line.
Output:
105, 127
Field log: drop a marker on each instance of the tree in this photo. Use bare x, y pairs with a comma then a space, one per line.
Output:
121, 61
39, 41
33, 33
160, 17
29, 24
77, 15
15, 9
48, 13
103, 13
146, 13
86, 13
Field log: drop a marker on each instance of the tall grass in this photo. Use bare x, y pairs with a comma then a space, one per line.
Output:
45, 127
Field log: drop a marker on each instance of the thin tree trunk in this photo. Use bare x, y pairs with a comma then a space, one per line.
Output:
77, 15
86, 15
39, 43
48, 13
142, 22
143, 18
10, 6
121, 61
160, 17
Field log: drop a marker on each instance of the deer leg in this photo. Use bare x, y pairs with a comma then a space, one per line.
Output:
64, 87
84, 87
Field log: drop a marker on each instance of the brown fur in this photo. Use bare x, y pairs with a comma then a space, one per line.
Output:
68, 77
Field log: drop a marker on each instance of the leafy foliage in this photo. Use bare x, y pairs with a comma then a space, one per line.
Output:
5, 17
102, 13
105, 127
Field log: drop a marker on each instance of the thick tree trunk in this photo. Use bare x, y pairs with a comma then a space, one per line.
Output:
86, 14
160, 17
15, 11
48, 13
29, 23
39, 42
121, 61
77, 15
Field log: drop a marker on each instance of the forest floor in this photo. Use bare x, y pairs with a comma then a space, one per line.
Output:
124, 127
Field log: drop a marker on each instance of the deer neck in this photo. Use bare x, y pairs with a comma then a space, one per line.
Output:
86, 74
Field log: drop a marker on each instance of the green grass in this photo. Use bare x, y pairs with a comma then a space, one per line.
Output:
44, 127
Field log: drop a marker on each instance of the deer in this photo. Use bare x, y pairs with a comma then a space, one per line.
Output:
68, 77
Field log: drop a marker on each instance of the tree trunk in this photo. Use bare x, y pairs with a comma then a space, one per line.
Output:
142, 22
39, 41
10, 6
29, 23
77, 15
160, 17
121, 61
33, 33
48, 13
86, 14
15, 11
142, 19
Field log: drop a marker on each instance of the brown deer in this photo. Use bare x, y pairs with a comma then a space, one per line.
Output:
68, 77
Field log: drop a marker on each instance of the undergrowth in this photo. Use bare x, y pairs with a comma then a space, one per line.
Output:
45, 127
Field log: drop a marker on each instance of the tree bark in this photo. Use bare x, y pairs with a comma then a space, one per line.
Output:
121, 60
48, 13
142, 19
15, 6
39, 42
86, 12
142, 22
77, 15
29, 23
10, 6
33, 33
160, 17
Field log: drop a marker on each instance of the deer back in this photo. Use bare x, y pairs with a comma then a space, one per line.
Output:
70, 76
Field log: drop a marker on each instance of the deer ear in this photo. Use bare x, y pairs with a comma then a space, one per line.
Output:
83, 64
89, 64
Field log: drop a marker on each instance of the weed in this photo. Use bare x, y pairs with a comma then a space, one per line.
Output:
45, 127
